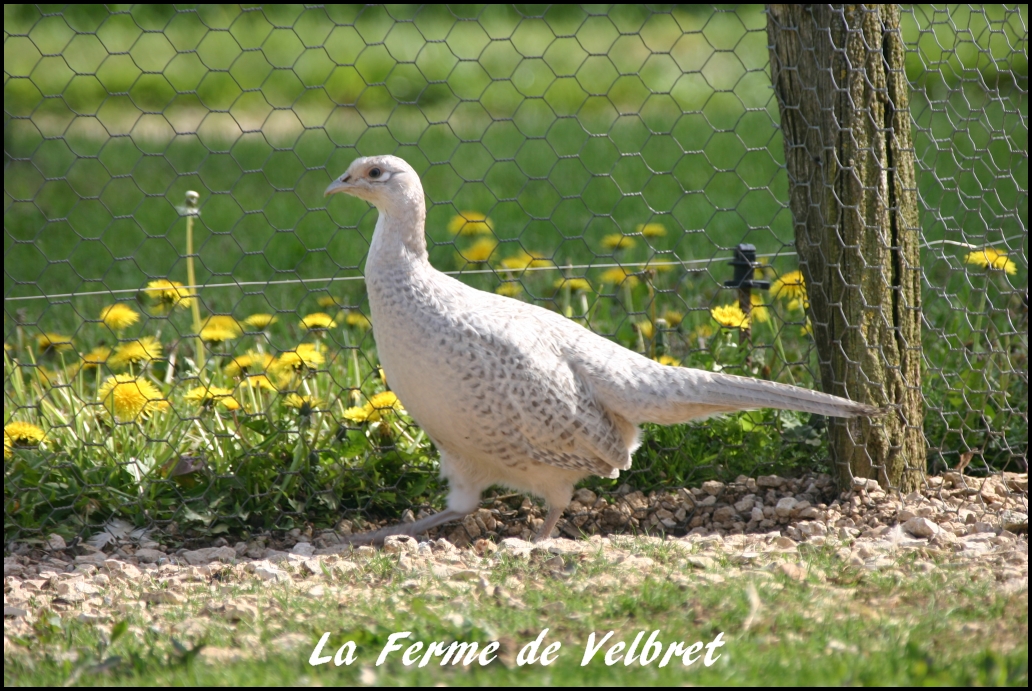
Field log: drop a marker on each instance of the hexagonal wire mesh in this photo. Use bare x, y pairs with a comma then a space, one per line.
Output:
599, 163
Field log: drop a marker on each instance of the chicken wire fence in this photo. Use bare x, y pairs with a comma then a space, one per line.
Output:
187, 343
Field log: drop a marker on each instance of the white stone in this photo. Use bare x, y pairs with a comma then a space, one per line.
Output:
400, 544
712, 487
94, 558
919, 526
745, 504
702, 562
240, 611
303, 549
812, 529
516, 546
149, 556
163, 597
784, 506
272, 574
122, 569
206, 555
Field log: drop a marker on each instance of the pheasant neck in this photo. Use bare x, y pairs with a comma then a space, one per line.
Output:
398, 239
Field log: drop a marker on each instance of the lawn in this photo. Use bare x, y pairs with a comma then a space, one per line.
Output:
789, 616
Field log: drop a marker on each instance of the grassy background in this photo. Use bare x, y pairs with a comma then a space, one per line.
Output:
558, 127
563, 128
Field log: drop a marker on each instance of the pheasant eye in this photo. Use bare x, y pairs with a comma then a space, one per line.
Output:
375, 173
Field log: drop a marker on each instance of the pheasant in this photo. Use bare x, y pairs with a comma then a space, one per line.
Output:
511, 393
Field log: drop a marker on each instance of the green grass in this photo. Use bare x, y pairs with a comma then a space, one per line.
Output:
199, 471
560, 129
687, 138
839, 625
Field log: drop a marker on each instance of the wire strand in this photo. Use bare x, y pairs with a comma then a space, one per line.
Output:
472, 272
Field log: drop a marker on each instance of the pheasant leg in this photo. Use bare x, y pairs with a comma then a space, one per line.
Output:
419, 527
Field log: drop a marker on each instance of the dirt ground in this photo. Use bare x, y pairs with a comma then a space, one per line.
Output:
971, 523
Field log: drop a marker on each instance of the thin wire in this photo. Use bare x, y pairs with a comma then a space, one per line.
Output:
334, 279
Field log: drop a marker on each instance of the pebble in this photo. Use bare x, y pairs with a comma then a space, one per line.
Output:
207, 555
149, 556
303, 549
979, 521
918, 526
163, 597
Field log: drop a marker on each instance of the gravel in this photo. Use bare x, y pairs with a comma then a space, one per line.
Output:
766, 523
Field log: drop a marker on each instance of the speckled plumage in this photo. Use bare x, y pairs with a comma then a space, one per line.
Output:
511, 393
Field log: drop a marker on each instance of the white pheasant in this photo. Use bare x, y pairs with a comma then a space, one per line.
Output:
510, 393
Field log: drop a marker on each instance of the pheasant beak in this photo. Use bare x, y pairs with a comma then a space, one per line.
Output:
341, 184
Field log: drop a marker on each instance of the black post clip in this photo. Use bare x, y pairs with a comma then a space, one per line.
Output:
745, 267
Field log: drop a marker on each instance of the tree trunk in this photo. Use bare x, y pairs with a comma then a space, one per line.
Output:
838, 73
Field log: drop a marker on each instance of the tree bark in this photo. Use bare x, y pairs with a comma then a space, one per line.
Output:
838, 73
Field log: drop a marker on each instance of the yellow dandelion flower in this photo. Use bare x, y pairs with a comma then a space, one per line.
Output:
50, 343
136, 352
646, 329
317, 321
383, 403
480, 251
617, 241
305, 357
217, 334
259, 381
673, 318
96, 357
380, 373
8, 451
509, 289
759, 311
329, 302
795, 305
166, 295
992, 258
523, 260
730, 316
129, 397
661, 266
23, 434
378, 406
220, 327
618, 276
668, 360
651, 230
574, 284
260, 321
790, 286
251, 361
808, 329
358, 320
210, 396
119, 316
470, 223
303, 404
356, 414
